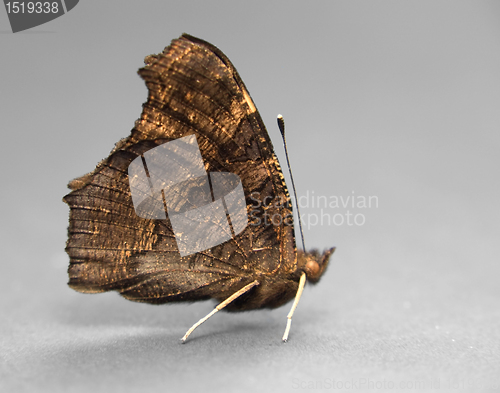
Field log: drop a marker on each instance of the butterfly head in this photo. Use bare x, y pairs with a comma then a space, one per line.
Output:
314, 264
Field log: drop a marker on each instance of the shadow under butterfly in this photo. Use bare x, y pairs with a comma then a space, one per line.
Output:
124, 232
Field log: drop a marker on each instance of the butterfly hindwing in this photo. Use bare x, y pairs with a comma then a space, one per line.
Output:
193, 89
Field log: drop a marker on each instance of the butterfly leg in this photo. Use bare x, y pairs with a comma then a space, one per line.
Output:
302, 283
219, 307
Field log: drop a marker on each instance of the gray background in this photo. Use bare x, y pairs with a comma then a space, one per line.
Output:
394, 99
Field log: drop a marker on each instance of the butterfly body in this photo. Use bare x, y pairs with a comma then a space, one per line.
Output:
194, 90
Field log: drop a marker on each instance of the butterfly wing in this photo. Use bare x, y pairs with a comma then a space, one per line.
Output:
193, 90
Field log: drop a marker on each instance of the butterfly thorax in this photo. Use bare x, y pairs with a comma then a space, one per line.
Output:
276, 290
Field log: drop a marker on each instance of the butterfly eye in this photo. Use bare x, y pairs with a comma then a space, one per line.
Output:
311, 268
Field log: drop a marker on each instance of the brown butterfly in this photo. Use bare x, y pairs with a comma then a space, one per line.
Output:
194, 90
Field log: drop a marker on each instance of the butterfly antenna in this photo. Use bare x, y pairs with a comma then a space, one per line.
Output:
281, 125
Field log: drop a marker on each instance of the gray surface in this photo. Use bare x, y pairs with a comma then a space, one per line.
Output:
398, 100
